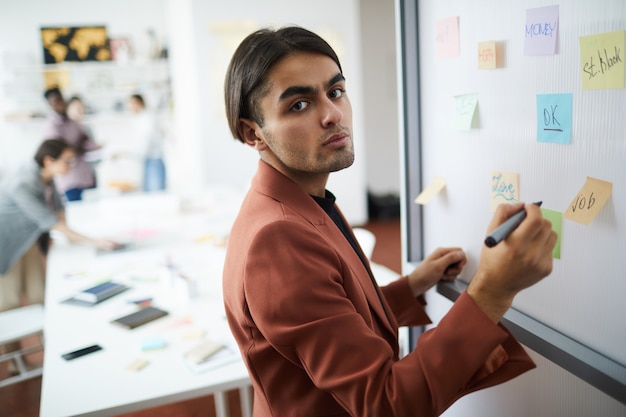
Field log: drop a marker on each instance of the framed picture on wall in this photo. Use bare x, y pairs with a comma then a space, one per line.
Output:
121, 50
75, 44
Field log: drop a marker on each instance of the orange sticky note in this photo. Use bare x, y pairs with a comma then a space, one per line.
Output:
589, 200
433, 189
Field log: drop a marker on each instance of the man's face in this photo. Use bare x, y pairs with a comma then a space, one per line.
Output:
307, 117
63, 164
57, 103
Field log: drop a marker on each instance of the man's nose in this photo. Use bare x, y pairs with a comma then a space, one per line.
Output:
331, 113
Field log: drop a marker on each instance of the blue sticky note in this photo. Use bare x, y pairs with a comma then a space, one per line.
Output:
153, 343
554, 118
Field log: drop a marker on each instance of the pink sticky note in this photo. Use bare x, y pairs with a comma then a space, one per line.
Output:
448, 37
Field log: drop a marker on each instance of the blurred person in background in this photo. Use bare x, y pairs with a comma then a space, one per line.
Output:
76, 110
30, 206
59, 125
148, 139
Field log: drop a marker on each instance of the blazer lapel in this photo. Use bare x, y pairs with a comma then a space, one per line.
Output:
272, 183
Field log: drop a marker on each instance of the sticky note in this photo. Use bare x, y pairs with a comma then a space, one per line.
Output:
556, 219
589, 200
447, 38
137, 365
504, 188
153, 343
602, 60
554, 118
194, 334
487, 55
433, 189
465, 109
541, 31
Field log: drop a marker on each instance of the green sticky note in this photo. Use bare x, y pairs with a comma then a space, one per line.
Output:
465, 109
556, 218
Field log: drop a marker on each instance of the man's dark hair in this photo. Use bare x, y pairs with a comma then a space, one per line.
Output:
52, 148
139, 98
246, 77
52, 91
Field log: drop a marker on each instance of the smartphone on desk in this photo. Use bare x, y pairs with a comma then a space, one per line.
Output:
138, 318
81, 352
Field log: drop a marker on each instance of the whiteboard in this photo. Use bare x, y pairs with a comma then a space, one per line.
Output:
583, 298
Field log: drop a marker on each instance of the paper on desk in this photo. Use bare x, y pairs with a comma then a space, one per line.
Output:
225, 356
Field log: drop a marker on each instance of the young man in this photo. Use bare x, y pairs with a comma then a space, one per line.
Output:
59, 125
317, 334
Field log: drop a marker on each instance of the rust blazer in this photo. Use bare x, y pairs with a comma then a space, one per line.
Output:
315, 335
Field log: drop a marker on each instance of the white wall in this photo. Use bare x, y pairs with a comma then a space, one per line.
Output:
21, 54
380, 96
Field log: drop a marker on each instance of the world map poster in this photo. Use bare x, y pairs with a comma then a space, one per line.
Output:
75, 44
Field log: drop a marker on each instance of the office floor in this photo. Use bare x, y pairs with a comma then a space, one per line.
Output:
22, 399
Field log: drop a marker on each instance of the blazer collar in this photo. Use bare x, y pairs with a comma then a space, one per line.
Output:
272, 183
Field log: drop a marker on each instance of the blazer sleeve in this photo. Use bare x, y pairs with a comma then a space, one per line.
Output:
408, 310
299, 298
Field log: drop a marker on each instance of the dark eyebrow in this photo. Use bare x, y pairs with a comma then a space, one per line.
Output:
305, 90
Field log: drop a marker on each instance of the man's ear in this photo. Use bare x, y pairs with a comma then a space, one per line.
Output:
47, 160
250, 133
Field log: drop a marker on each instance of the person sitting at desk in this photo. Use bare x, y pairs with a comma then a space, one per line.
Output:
30, 206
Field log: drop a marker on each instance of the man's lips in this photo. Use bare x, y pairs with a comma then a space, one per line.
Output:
338, 139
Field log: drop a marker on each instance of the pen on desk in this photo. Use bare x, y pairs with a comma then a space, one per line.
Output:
506, 228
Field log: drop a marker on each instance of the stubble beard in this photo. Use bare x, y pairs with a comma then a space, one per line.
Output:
339, 160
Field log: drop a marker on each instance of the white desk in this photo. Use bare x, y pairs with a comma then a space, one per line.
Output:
99, 384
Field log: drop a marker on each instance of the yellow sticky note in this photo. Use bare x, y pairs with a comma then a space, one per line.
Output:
602, 60
433, 189
589, 200
487, 55
137, 365
504, 188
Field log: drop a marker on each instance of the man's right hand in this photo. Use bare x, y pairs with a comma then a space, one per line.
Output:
516, 263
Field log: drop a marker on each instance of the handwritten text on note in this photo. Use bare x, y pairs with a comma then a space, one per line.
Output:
541, 31
487, 55
589, 200
504, 188
554, 118
602, 60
